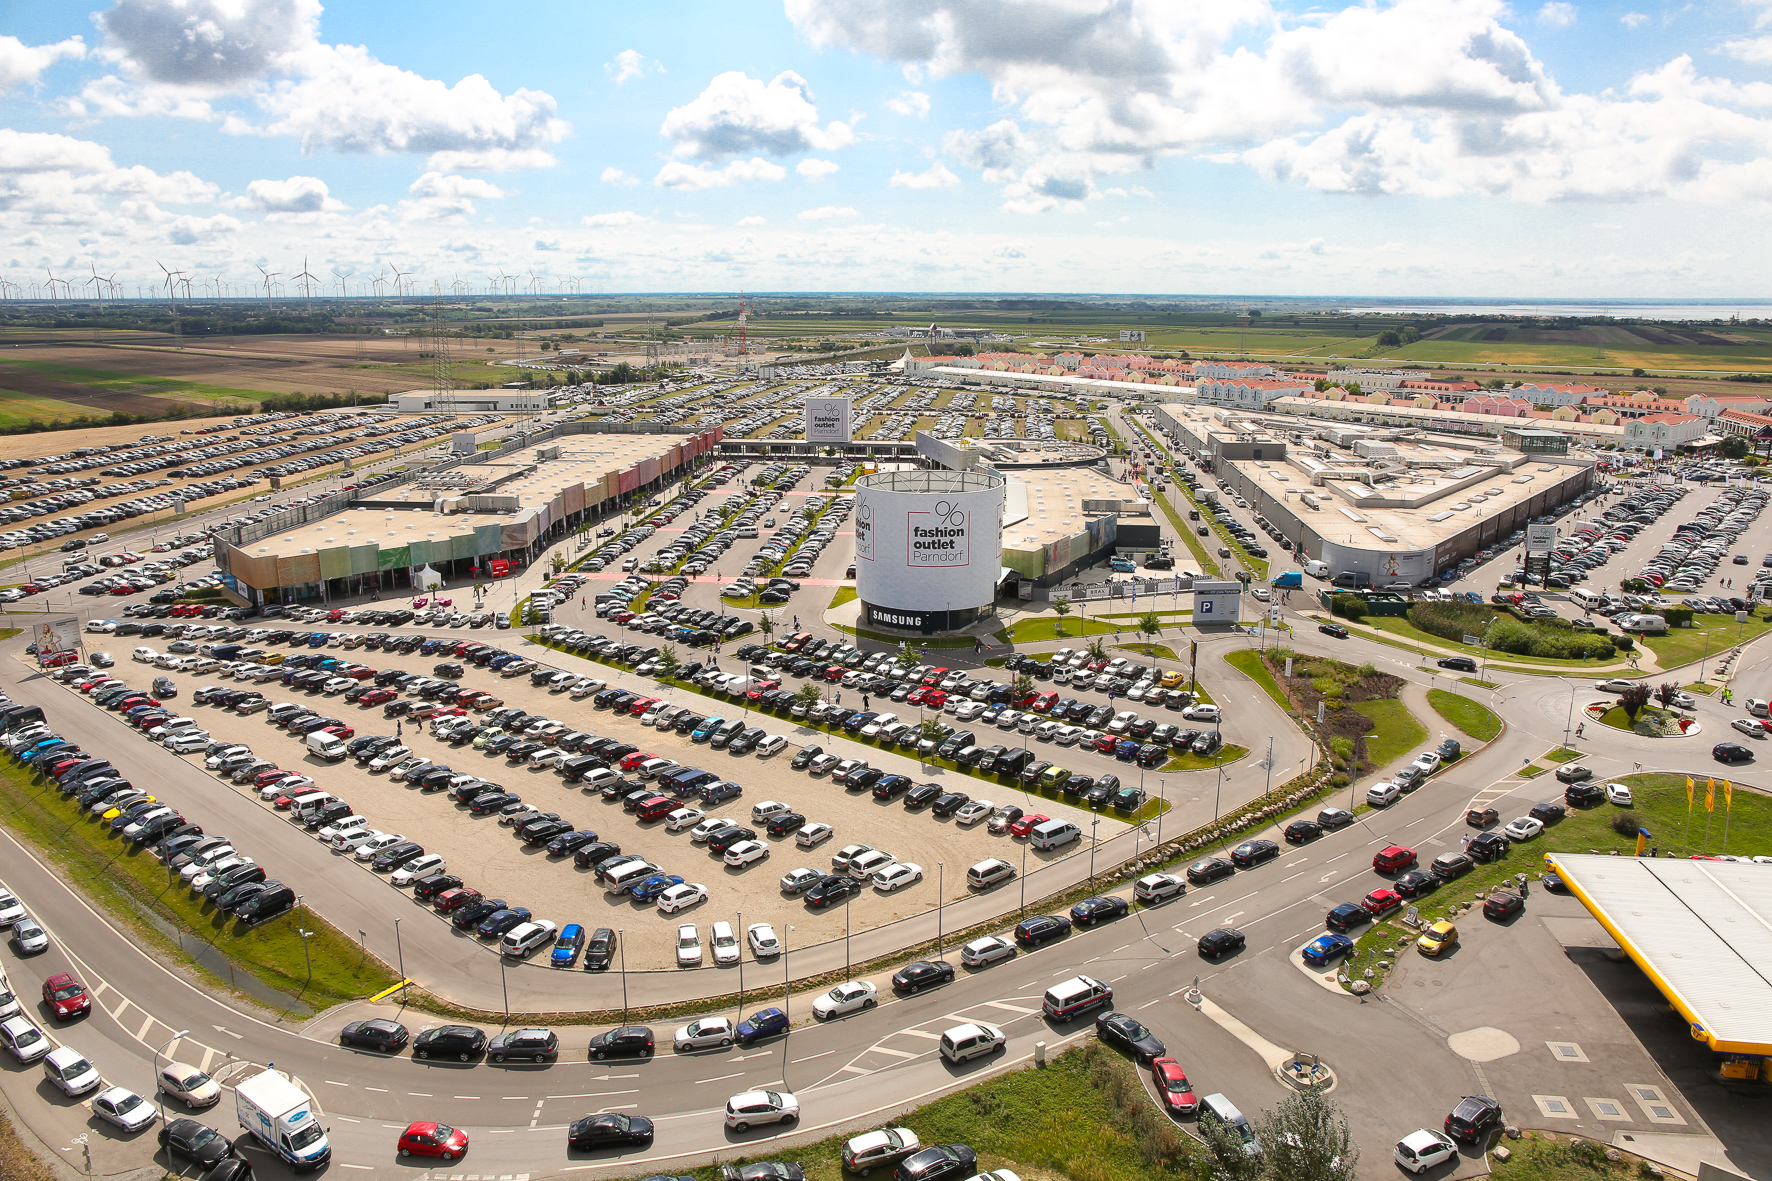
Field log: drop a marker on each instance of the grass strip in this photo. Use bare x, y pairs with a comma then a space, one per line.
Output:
1156, 651
1560, 755
1530, 771
1470, 717
1249, 663
1395, 731
1046, 627
17, 1161
1230, 752
133, 885
1709, 635
844, 594
1545, 1156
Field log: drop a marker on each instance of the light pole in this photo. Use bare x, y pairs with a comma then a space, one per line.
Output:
741, 962
1162, 807
1093, 825
787, 996
306, 954
161, 1052
399, 950
940, 895
621, 942
1024, 881
1569, 721
846, 960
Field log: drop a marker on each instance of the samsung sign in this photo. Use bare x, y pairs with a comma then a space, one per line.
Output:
827, 420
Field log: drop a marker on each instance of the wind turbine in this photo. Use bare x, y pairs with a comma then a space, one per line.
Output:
343, 291
97, 284
307, 282
269, 275
52, 282
401, 287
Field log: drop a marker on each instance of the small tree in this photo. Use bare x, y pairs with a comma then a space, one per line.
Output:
1226, 1159
1304, 1137
808, 695
1023, 685
1666, 692
1634, 698
907, 655
1097, 649
1063, 607
668, 663
559, 561
1150, 625
766, 625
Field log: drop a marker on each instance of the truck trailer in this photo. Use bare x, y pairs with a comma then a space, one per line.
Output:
280, 1116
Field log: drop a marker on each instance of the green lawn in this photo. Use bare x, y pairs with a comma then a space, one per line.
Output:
1531, 771
1227, 754
844, 594
1157, 650
1413, 637
1560, 755
135, 888
1395, 730
1473, 718
1249, 663
1046, 627
1713, 633
1544, 1156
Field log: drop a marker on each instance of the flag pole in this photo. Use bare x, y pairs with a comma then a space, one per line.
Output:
1686, 840
1728, 809
1710, 810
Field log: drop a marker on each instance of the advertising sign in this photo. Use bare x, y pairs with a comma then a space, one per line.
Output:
939, 536
56, 635
1541, 538
938, 549
827, 420
1216, 601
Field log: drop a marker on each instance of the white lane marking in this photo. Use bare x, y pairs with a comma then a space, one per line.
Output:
889, 1050
854, 1069
1148, 1004
421, 1095
142, 1033
332, 1083
934, 1037
348, 1119
1017, 1009
717, 1078
810, 1057
209, 1056
383, 1090
365, 1168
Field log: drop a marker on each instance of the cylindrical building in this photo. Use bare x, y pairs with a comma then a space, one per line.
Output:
928, 547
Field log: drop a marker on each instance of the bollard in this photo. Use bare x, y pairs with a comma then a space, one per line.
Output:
1039, 1053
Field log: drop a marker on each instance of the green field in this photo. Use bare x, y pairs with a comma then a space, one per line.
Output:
111, 381
17, 409
1472, 718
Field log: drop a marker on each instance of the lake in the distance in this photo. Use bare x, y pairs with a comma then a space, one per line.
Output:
1697, 310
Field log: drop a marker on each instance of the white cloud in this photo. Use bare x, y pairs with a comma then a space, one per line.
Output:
1634, 20
753, 221
624, 218
936, 176
678, 175
215, 44
490, 160
615, 176
631, 63
297, 194
43, 151
910, 102
737, 115
826, 212
816, 169
21, 64
192, 231
1753, 50
1559, 14
444, 197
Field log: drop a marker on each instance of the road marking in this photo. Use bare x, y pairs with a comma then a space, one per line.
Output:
421, 1095
464, 1096
853, 1069
331, 1083
1238, 915
717, 1078
141, 1035
1017, 1009
513, 1096
1283, 881
383, 1090
1208, 898
810, 1057
1148, 1004
209, 1056
888, 1050
365, 1168
348, 1119
934, 1037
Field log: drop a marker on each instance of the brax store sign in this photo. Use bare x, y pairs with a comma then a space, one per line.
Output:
938, 538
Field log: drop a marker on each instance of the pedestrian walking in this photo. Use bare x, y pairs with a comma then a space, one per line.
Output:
399, 729
1525, 888
864, 701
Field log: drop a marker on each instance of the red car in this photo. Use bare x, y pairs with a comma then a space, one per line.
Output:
359, 673
935, 698
935, 676
455, 899
1172, 1086
66, 997
635, 759
1043, 702
1027, 824
636, 708
266, 778
339, 731
756, 691
1381, 902
1393, 859
377, 696
916, 696
432, 1139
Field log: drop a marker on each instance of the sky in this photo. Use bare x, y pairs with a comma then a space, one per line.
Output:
1411, 148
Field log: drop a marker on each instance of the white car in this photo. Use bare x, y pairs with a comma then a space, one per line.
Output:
986, 950
653, 768
372, 848
684, 817
200, 880
751, 1108
188, 1085
408, 767
866, 865
746, 852
682, 898
547, 758
123, 1107
1421, 1150
896, 877
204, 860
350, 842
851, 996
348, 824
1202, 712
1614, 685
1158, 887
1428, 761
770, 744
763, 940
417, 868
971, 813
11, 909
708, 828
1616, 793
812, 835
768, 808
1524, 828
69, 1070
878, 1150
724, 943
338, 685
24, 1040
1126, 717
1383, 795
700, 1035
688, 946
1261, 594
391, 757
1749, 727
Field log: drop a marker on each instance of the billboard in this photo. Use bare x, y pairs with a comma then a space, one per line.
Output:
1541, 538
928, 540
56, 635
1216, 601
827, 420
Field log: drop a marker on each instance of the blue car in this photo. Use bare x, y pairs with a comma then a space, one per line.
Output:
706, 730
761, 1024
500, 921
1126, 750
655, 885
1123, 566
567, 946
1324, 948
317, 640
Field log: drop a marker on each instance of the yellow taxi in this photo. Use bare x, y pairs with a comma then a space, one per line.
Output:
1173, 679
1437, 938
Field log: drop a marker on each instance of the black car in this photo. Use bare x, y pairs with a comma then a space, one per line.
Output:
1098, 910
805, 757
543, 831
1303, 832
394, 856
1584, 795
765, 1170
949, 803
1472, 1118
783, 823
1488, 846
1346, 917
627, 1041
449, 1041
1128, 1034
197, 1142
1042, 928
915, 977
1502, 904
1333, 629
1415, 883
831, 889
890, 787
377, 1034
610, 1128
524, 1045
1731, 752
1548, 812
937, 1163
431, 885
1209, 869
600, 951
923, 795
1221, 941
593, 854
470, 915
1463, 664
1335, 818
1252, 853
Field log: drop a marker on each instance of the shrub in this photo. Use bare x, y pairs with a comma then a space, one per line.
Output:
1623, 643
1348, 606
1625, 824
1452, 621
1677, 616
1634, 698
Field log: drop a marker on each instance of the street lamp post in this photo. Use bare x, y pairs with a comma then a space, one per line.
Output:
1024, 880
1162, 807
1093, 825
399, 950
306, 954
1569, 721
621, 941
846, 959
940, 895
741, 962
161, 1052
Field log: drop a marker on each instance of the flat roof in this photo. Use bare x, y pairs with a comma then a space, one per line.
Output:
1065, 384
1701, 930
1053, 500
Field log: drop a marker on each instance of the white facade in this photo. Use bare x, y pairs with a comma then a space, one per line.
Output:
1232, 369
928, 546
1647, 432
1244, 393
472, 401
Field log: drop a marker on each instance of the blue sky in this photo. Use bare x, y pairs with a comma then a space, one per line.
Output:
1423, 147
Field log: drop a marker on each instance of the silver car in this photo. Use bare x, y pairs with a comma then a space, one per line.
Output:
986, 950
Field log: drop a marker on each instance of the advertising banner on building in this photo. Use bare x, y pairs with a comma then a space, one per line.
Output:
827, 420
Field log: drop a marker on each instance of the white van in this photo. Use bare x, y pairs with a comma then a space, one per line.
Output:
1588, 599
1074, 997
990, 873
971, 1040
1054, 834
1218, 1108
1316, 568
326, 746
628, 876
